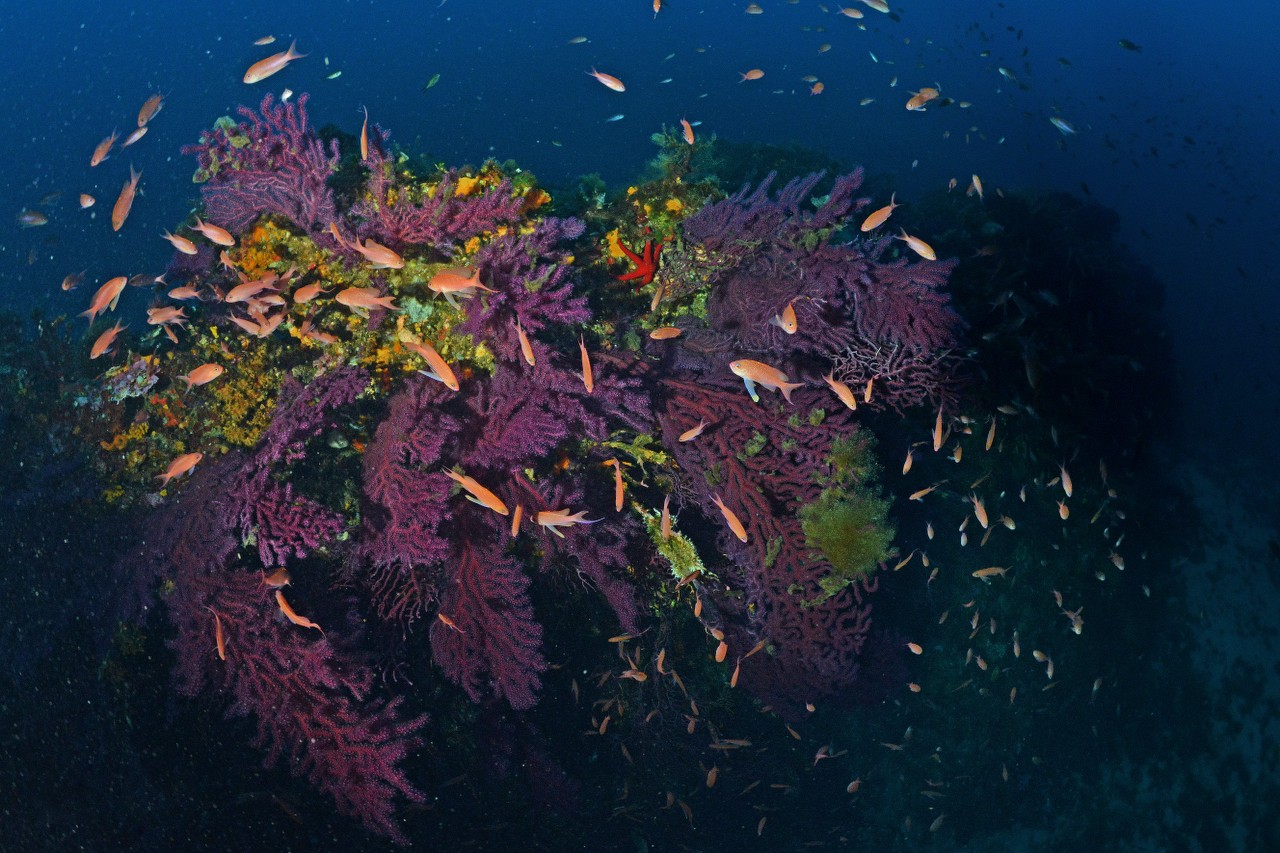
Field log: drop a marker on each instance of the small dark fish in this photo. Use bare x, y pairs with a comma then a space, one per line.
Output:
1128, 45
1085, 187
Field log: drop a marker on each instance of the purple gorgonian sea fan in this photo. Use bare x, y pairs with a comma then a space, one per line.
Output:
763, 253
440, 215
270, 163
424, 550
766, 466
312, 695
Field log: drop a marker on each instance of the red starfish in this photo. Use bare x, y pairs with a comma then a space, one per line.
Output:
646, 262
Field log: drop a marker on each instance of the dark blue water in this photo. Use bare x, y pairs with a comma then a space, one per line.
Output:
1179, 138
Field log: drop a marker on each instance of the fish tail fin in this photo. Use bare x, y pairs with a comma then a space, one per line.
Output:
787, 387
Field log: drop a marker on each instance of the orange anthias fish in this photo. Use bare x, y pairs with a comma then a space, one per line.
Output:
979, 510
106, 297
755, 372
918, 246
379, 255
300, 621
990, 572
307, 292
552, 519
526, 348
919, 99
842, 390
203, 375
607, 80
666, 333
150, 107
440, 370
134, 137
731, 519
182, 244
219, 637
364, 136
72, 281
878, 217
457, 281
179, 466
478, 494
975, 186
786, 321
102, 345
124, 203
249, 289
214, 234
87, 201
588, 376
166, 314
364, 298
753, 74
264, 68
693, 432
104, 148
449, 623
687, 130
619, 485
